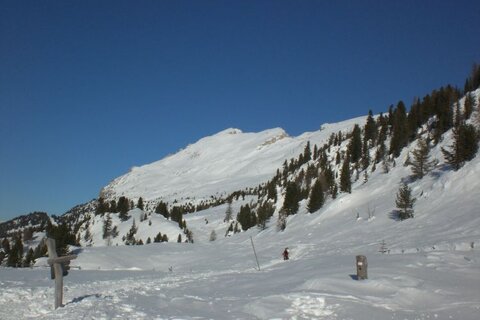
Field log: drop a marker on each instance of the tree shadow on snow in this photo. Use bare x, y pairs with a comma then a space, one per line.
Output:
77, 251
395, 215
353, 276
80, 299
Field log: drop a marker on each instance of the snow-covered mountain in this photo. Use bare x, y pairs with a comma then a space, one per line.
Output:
218, 165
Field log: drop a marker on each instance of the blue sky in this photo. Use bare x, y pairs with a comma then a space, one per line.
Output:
89, 89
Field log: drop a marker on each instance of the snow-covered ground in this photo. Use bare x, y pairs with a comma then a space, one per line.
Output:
213, 281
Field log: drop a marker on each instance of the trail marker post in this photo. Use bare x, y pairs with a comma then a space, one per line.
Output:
361, 267
56, 263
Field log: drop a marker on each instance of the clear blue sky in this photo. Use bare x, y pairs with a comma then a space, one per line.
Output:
89, 89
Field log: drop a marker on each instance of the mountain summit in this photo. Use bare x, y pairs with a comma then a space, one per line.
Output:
219, 164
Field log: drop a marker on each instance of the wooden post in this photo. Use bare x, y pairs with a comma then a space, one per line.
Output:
56, 262
362, 267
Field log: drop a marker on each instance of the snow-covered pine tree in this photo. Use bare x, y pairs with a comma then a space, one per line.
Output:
213, 236
228, 212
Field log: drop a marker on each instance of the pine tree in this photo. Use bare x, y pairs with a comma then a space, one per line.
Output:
107, 227
317, 198
399, 130
468, 105
130, 238
345, 176
179, 239
15, 257
6, 245
123, 207
162, 209
307, 154
101, 206
464, 148
176, 214
113, 206
355, 145
29, 260
244, 217
292, 197
405, 202
140, 204
370, 128
264, 213
421, 163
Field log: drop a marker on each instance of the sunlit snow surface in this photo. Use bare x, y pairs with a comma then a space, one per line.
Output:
220, 282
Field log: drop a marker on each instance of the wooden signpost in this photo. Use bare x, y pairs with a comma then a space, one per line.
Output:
57, 263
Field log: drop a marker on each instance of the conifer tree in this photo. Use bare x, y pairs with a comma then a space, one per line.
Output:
107, 227
113, 206
140, 204
264, 213
421, 163
307, 154
405, 202
245, 217
355, 145
345, 176
464, 148
29, 260
365, 155
123, 207
399, 130
176, 214
317, 198
468, 105
15, 257
292, 197
370, 128
101, 206
130, 238
6, 245
162, 209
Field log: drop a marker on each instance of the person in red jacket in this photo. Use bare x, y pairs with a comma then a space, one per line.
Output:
285, 254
